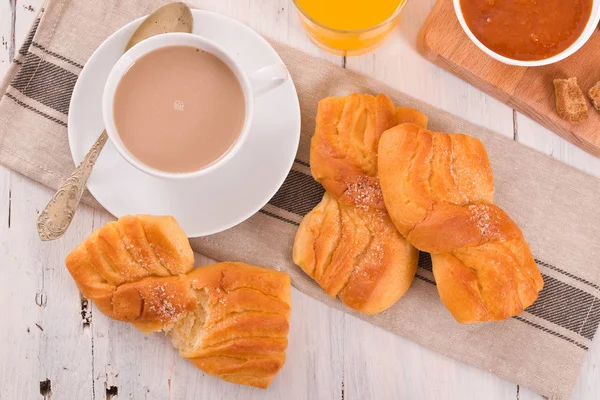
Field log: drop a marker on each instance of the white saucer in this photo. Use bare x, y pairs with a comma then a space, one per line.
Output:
206, 204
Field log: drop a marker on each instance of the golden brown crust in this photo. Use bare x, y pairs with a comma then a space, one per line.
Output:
594, 95
438, 189
132, 248
230, 319
448, 227
343, 152
154, 303
355, 254
423, 168
240, 330
570, 101
491, 282
347, 243
405, 115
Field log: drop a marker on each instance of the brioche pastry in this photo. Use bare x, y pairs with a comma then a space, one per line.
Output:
438, 189
128, 250
231, 320
355, 254
343, 151
347, 243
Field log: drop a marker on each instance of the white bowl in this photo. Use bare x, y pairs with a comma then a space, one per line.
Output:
587, 33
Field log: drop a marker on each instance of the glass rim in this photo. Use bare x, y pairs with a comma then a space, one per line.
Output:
320, 24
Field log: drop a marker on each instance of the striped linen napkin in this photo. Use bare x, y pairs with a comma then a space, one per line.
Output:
555, 205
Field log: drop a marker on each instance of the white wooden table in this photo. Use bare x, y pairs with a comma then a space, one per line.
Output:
53, 345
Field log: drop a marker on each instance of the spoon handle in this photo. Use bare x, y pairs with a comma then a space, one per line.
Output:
56, 217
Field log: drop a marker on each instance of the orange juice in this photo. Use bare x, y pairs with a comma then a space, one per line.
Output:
349, 27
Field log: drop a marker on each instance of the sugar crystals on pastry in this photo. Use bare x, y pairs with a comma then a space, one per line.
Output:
348, 243
229, 319
438, 189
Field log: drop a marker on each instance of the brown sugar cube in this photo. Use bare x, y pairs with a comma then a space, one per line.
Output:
594, 94
570, 102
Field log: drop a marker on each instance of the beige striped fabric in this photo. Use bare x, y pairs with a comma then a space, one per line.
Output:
543, 348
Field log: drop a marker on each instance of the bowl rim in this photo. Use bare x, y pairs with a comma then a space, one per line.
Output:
398, 10
588, 31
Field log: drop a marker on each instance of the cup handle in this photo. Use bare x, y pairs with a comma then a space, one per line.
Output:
267, 78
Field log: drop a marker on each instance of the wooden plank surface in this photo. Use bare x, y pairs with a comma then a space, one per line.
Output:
6, 34
81, 354
529, 90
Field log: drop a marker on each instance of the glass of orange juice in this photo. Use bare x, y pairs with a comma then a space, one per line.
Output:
349, 27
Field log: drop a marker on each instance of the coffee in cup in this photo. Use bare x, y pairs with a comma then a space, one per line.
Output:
179, 106
179, 109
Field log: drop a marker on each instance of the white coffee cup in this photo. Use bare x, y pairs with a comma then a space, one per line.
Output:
254, 84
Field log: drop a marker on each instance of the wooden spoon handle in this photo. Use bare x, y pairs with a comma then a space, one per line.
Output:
56, 217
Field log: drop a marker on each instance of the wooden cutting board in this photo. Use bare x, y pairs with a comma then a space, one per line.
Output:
528, 90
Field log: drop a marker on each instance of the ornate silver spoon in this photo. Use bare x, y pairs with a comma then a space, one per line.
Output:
58, 214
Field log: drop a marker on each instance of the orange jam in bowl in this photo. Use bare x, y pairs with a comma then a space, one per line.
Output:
527, 30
